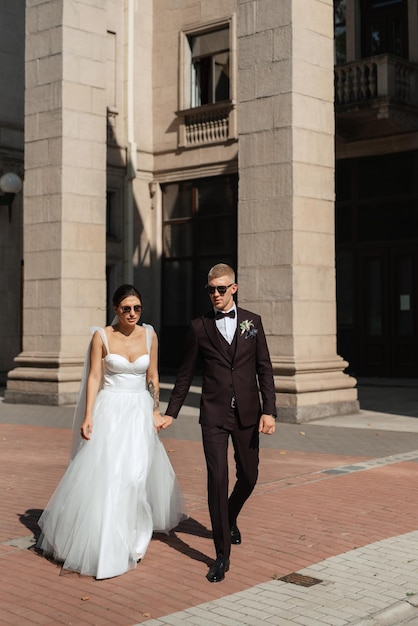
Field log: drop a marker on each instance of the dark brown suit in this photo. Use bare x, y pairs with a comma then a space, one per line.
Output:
237, 371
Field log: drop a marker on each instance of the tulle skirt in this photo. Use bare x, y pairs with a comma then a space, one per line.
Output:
117, 490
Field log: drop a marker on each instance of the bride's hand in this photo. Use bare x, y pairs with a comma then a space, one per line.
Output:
158, 420
86, 428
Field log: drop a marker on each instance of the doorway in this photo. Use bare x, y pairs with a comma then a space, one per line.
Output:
377, 264
388, 342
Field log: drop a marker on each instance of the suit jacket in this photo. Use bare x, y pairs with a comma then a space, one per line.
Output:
243, 374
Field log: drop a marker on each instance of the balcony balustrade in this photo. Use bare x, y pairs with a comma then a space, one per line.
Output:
383, 76
376, 97
207, 125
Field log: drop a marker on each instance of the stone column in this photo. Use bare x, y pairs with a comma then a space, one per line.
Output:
64, 197
286, 199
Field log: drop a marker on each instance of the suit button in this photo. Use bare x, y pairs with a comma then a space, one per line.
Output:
232, 369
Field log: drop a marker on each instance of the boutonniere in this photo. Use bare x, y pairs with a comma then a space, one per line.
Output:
247, 329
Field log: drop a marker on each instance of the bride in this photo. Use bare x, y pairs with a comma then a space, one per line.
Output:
119, 486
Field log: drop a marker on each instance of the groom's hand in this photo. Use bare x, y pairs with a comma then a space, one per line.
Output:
168, 420
267, 424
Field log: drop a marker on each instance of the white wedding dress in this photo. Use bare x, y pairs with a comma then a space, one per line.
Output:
120, 486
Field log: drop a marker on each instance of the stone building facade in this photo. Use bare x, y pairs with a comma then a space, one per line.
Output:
156, 139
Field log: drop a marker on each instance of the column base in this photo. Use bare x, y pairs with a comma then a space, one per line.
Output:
311, 390
44, 379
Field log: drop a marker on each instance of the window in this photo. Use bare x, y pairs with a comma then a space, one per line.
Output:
340, 31
209, 71
384, 27
199, 230
207, 91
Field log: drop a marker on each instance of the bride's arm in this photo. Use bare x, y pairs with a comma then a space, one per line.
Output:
153, 382
93, 384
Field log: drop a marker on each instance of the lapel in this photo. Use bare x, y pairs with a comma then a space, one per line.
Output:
216, 339
240, 338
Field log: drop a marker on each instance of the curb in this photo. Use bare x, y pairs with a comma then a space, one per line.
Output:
395, 615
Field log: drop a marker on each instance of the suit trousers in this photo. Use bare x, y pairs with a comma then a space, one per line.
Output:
223, 510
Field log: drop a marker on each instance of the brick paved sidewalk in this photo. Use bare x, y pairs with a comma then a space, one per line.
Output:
305, 509
338, 504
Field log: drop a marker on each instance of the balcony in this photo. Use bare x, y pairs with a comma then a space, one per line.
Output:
376, 97
206, 125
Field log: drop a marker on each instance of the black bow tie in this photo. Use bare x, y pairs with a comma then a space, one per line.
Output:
220, 315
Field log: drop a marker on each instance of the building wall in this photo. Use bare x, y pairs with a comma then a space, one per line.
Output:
170, 26
116, 117
174, 161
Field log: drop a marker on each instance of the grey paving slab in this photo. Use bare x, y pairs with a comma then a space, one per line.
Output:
355, 590
382, 433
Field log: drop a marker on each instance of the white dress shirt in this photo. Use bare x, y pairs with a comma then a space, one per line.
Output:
227, 326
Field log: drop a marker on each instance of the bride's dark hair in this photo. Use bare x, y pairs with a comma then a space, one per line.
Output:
123, 292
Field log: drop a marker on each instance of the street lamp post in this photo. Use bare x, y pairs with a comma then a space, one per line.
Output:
10, 185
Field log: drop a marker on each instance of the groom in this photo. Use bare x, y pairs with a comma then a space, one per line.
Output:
237, 366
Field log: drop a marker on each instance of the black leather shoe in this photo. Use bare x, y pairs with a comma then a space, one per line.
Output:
218, 569
235, 534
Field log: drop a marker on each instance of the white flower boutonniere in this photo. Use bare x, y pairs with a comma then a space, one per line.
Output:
247, 329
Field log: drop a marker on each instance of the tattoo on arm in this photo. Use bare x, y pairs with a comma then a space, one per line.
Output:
155, 395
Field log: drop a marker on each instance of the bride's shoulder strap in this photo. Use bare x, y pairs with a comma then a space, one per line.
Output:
150, 332
102, 334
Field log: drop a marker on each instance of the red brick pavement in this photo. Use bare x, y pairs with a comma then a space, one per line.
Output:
296, 517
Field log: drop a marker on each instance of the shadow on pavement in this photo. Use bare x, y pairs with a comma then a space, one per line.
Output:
30, 519
397, 397
191, 527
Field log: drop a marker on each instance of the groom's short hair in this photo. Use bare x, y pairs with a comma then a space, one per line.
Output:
221, 269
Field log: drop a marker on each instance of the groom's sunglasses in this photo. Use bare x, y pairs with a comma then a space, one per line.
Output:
127, 309
221, 289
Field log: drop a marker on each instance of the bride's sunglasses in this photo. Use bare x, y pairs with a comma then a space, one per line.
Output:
127, 309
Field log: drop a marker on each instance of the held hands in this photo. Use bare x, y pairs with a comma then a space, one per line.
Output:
168, 420
267, 424
160, 421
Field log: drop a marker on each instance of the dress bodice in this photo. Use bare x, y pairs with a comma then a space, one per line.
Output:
120, 375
